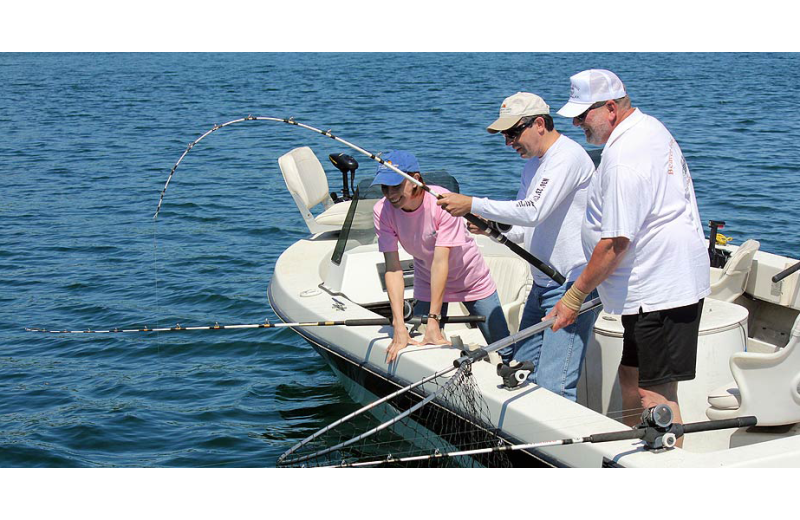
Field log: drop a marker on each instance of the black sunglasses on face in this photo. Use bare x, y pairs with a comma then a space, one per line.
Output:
512, 134
581, 118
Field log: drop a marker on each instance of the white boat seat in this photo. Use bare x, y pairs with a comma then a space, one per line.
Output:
513, 279
308, 184
729, 283
765, 385
726, 397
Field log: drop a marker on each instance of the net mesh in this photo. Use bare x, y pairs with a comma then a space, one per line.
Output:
455, 419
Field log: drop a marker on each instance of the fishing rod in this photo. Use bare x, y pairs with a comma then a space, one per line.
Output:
783, 274
357, 322
480, 353
545, 268
657, 431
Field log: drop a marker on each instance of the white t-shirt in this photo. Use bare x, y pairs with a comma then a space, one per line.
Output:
549, 210
643, 191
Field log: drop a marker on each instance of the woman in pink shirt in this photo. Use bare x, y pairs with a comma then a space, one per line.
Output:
447, 264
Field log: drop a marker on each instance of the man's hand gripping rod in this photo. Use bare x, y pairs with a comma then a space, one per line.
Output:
478, 354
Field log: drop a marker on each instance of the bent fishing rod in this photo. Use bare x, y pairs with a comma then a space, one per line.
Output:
355, 322
495, 234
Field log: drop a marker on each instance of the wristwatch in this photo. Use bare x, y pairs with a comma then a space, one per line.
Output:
437, 317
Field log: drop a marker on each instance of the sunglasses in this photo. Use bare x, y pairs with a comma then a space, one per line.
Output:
512, 134
581, 118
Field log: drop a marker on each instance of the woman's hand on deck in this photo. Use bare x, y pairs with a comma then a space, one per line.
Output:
433, 334
400, 340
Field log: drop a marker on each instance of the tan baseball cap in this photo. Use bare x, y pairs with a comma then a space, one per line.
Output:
516, 107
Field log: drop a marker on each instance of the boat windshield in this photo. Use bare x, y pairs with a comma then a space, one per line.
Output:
358, 228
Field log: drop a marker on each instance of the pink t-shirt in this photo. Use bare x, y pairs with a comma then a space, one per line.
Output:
422, 230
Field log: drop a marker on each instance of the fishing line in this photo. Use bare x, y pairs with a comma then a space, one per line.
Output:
355, 322
155, 266
542, 266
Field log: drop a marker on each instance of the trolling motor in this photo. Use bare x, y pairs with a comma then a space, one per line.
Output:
717, 257
345, 164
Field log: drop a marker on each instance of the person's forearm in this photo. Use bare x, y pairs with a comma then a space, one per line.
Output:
395, 287
606, 257
439, 272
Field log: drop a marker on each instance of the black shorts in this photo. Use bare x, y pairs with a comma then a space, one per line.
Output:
662, 344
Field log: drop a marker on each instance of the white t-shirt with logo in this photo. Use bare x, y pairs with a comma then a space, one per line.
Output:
549, 210
643, 191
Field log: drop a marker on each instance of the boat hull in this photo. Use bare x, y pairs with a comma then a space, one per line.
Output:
298, 292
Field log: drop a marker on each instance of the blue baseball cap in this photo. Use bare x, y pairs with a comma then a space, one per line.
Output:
402, 160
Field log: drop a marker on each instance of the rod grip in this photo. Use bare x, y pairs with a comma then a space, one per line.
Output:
723, 424
786, 272
548, 270
364, 322
623, 435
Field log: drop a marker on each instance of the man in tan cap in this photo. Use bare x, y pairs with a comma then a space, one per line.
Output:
547, 214
645, 242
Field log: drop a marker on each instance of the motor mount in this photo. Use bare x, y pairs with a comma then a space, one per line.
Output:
345, 163
516, 374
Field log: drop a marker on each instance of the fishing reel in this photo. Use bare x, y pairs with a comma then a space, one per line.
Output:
499, 227
408, 308
345, 164
660, 433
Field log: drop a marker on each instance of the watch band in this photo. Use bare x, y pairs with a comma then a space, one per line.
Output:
437, 317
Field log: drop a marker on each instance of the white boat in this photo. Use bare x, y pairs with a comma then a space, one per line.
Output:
748, 361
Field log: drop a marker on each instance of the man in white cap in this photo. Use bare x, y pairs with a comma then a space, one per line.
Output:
547, 214
644, 240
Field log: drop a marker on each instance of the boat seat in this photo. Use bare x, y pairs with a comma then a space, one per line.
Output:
513, 279
308, 184
765, 385
729, 283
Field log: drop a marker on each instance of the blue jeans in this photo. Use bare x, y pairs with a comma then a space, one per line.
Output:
494, 328
557, 356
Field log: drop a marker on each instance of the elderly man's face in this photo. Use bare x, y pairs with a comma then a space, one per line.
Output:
595, 124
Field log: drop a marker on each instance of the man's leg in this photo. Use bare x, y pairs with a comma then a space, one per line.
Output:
561, 354
636, 399
659, 349
532, 314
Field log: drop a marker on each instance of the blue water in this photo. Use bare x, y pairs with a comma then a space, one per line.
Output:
88, 142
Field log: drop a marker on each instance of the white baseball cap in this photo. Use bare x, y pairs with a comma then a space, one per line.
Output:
589, 87
516, 107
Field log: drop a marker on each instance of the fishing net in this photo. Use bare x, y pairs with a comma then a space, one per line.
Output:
446, 413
